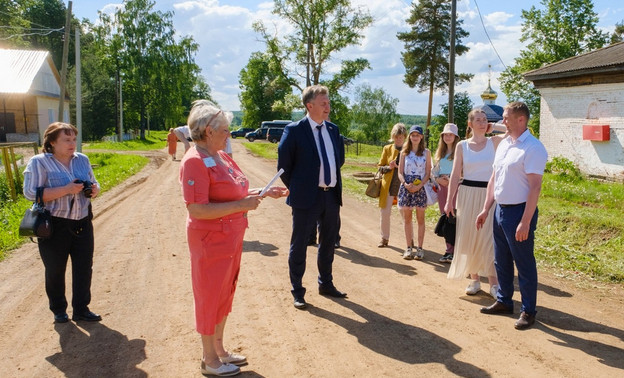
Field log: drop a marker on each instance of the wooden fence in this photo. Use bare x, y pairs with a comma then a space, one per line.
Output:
10, 163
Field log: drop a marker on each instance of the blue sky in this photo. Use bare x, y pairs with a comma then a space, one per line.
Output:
223, 30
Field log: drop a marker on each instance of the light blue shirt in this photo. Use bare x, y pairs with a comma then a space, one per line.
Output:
44, 170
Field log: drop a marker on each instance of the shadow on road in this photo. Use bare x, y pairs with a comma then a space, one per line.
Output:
400, 341
360, 258
94, 350
565, 323
265, 249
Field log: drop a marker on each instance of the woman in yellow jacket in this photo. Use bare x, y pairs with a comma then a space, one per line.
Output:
389, 164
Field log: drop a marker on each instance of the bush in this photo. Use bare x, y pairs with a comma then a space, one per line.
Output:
563, 167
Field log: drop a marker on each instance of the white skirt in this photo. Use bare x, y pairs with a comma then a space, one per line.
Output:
474, 250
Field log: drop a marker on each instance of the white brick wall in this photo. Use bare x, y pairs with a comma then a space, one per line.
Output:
564, 111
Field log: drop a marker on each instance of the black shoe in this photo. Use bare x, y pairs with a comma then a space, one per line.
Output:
87, 316
312, 242
300, 303
331, 292
337, 244
61, 317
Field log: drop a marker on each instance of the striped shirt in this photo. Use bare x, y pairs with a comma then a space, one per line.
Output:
45, 170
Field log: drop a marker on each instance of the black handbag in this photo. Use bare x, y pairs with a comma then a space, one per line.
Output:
37, 220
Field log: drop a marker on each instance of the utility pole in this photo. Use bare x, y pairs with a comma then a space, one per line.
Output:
451, 115
78, 94
64, 64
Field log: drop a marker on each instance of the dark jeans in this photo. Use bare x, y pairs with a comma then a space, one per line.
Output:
507, 251
326, 211
70, 238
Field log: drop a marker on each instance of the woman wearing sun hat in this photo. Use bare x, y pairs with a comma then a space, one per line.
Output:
414, 171
442, 172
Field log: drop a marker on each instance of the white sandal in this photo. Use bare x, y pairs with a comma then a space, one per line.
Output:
234, 359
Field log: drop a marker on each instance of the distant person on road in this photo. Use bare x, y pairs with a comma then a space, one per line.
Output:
389, 166
515, 185
472, 168
172, 143
444, 156
57, 170
217, 197
311, 152
414, 172
184, 135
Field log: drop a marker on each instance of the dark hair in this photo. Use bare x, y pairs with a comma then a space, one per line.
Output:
519, 108
310, 93
53, 131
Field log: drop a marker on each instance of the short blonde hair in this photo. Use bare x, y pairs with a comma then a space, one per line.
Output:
205, 113
398, 129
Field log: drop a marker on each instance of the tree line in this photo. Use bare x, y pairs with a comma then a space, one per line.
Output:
136, 52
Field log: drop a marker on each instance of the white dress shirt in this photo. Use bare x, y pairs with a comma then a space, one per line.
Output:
329, 147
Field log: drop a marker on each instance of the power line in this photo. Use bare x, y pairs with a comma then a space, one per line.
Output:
488, 36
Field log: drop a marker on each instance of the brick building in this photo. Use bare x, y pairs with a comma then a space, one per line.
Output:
582, 110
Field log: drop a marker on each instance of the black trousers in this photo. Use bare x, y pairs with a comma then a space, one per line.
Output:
326, 212
70, 238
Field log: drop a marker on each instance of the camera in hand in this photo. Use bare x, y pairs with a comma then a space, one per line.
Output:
86, 187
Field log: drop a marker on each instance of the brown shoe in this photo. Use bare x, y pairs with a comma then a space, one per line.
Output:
497, 308
525, 321
383, 243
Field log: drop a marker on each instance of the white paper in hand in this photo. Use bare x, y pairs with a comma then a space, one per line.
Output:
268, 186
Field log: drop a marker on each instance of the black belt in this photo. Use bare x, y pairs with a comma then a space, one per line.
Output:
477, 184
326, 188
511, 205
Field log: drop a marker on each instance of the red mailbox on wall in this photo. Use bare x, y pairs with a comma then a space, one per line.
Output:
596, 132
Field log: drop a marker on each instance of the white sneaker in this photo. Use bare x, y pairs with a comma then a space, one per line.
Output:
493, 290
473, 288
234, 359
407, 255
419, 254
225, 370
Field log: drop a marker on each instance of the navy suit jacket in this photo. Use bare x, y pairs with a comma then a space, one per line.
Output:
298, 156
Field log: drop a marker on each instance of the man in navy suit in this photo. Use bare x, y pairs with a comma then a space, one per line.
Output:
311, 153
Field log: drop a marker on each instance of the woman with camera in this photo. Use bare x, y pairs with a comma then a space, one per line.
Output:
68, 185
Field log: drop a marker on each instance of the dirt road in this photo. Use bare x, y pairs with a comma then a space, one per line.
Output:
401, 319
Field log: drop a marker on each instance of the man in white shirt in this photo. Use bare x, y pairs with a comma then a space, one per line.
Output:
184, 135
515, 185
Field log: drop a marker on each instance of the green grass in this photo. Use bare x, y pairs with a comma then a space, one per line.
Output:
110, 169
580, 233
156, 140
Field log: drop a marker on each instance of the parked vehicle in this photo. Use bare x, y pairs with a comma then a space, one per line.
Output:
274, 135
261, 133
241, 132
257, 134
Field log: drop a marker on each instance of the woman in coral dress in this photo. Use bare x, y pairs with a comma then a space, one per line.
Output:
172, 143
217, 198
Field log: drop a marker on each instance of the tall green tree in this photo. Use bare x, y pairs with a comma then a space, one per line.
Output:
321, 29
618, 33
49, 14
564, 28
427, 48
159, 73
261, 87
374, 112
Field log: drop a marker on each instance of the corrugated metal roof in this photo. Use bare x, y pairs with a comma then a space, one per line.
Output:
18, 69
605, 59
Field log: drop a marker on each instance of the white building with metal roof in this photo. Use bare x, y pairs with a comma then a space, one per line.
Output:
29, 95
